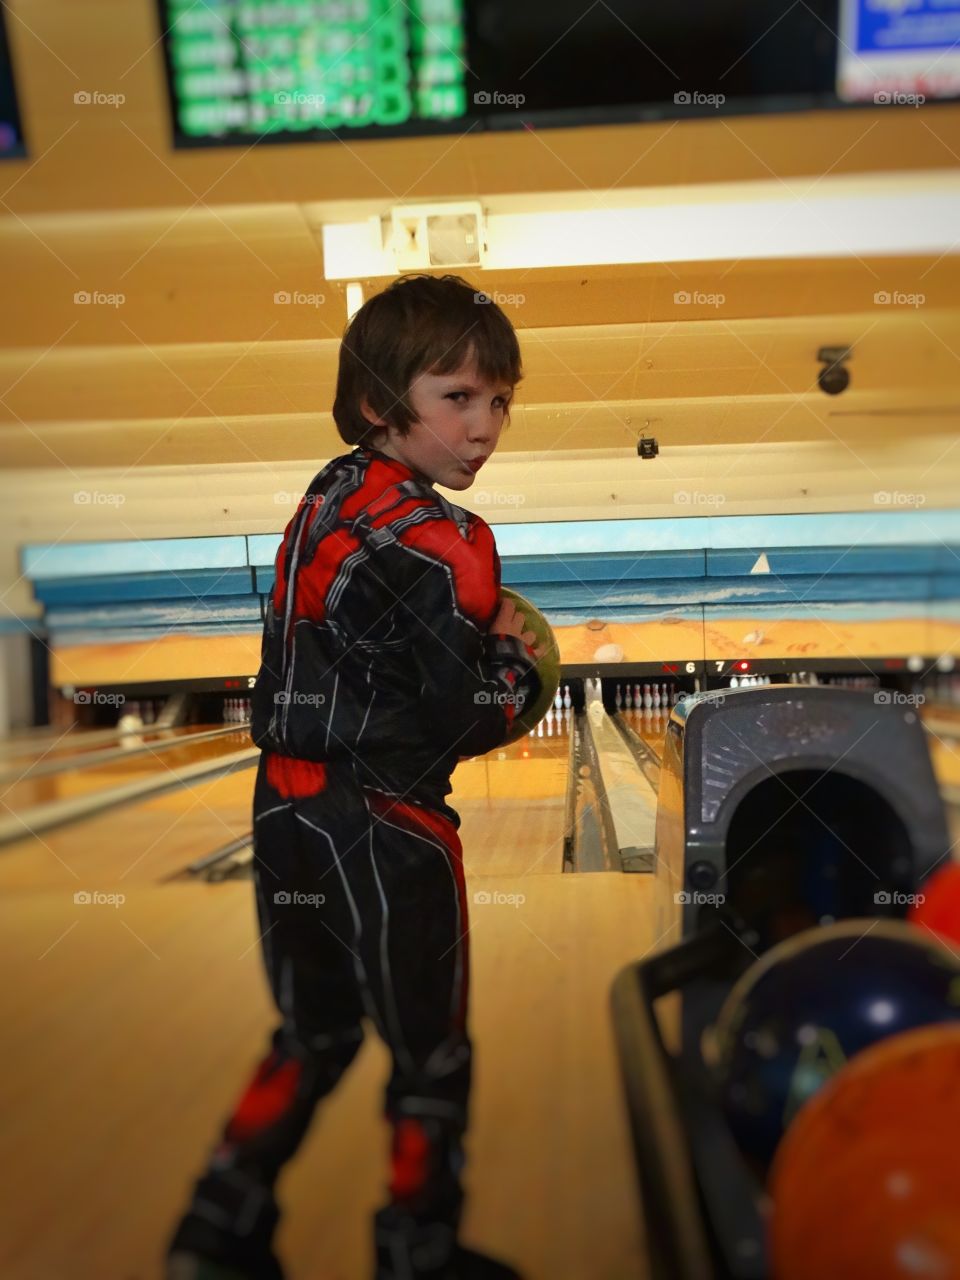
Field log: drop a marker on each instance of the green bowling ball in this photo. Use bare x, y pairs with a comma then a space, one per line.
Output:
548, 667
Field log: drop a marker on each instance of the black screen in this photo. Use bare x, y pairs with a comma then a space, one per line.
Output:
335, 69
11, 133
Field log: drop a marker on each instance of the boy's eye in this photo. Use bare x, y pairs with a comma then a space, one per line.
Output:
459, 397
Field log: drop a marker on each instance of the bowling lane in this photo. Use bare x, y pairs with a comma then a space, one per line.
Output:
80, 744
139, 843
138, 1024
24, 791
648, 724
512, 804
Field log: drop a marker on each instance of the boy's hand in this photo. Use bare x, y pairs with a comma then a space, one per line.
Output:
510, 622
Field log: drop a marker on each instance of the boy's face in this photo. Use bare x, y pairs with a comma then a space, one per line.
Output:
459, 418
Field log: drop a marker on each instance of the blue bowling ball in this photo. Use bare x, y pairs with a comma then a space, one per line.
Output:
808, 1005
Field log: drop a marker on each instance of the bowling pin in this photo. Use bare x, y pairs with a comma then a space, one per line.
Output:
628, 700
655, 698
734, 682
618, 700
567, 700
558, 700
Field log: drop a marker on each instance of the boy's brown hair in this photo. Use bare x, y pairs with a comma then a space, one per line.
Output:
419, 324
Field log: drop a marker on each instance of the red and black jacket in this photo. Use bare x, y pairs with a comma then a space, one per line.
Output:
375, 646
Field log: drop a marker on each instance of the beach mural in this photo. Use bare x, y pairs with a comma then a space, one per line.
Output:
679, 595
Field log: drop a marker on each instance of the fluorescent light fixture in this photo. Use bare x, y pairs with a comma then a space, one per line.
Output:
799, 218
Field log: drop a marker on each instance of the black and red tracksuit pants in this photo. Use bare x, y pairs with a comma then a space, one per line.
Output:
362, 914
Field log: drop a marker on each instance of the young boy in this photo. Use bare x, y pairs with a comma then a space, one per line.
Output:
387, 655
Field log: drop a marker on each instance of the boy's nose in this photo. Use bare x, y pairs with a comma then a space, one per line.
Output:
485, 429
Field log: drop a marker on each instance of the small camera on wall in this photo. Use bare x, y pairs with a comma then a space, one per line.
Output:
834, 377
647, 447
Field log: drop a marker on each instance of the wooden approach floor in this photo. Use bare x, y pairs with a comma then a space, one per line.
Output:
132, 1028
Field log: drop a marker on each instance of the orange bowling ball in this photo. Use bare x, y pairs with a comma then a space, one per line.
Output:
938, 906
866, 1182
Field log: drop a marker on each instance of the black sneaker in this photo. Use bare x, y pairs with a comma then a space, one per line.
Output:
191, 1266
226, 1233
463, 1264
467, 1264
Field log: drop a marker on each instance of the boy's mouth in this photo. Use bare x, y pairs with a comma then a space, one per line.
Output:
476, 464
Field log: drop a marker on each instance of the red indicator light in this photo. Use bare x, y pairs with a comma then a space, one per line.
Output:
743, 666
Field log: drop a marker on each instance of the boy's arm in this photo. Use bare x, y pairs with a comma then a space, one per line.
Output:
472, 683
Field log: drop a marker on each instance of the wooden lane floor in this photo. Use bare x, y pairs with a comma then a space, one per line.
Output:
66, 745
648, 724
137, 1025
25, 791
511, 804
139, 843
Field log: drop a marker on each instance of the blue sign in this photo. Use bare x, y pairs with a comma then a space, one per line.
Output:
897, 26
898, 52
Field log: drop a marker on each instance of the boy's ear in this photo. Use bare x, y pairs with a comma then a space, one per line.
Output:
369, 414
